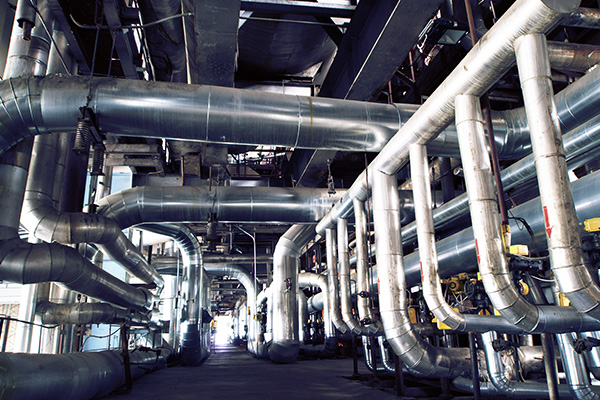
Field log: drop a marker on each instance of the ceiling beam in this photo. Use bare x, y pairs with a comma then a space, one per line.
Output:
368, 58
334, 10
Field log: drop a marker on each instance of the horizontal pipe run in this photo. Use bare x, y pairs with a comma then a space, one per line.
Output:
147, 204
86, 313
76, 376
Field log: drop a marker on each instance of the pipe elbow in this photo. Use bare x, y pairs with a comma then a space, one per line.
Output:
284, 352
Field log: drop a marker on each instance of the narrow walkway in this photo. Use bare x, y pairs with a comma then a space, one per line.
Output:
233, 374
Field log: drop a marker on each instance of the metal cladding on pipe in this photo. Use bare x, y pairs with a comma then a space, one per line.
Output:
487, 61
344, 265
562, 229
487, 231
50, 225
230, 204
77, 376
366, 315
419, 356
575, 371
334, 284
192, 351
312, 279
583, 18
572, 56
245, 278
580, 148
23, 263
457, 252
501, 380
432, 288
86, 313
302, 315
286, 264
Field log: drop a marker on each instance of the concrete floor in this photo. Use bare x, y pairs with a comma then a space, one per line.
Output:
231, 373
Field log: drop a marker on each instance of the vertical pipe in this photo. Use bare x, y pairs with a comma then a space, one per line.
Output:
487, 231
562, 229
362, 274
334, 286
345, 290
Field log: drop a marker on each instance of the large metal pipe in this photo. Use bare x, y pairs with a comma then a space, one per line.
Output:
86, 313
457, 252
580, 145
575, 371
192, 351
345, 296
432, 288
286, 264
317, 280
42, 219
501, 380
230, 204
245, 278
487, 232
418, 355
363, 289
562, 228
487, 61
334, 283
77, 376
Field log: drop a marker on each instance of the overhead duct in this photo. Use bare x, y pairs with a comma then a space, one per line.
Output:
50, 225
192, 350
230, 204
224, 115
487, 61
76, 376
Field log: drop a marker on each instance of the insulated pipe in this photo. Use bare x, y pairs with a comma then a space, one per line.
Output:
334, 285
345, 295
487, 61
583, 18
86, 313
245, 278
432, 288
363, 289
418, 355
562, 229
487, 231
572, 56
580, 145
192, 351
24, 263
302, 315
77, 376
311, 279
501, 380
230, 204
286, 264
48, 224
575, 371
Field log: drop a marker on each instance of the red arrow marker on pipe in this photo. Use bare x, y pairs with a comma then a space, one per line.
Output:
547, 222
